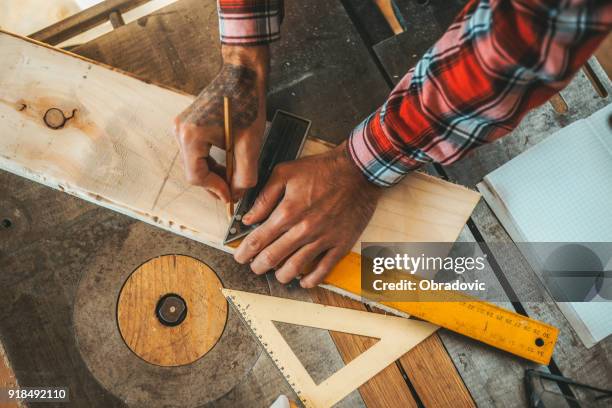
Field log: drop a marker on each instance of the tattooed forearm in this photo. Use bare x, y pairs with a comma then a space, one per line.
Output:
238, 82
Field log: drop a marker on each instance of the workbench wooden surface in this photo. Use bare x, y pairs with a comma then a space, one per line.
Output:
328, 68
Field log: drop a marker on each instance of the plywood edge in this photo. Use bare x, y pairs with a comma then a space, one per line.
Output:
97, 199
385, 389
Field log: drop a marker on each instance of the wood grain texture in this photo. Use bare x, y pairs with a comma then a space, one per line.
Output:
427, 366
434, 377
173, 47
206, 314
177, 46
117, 150
421, 208
26, 16
388, 387
395, 335
82, 21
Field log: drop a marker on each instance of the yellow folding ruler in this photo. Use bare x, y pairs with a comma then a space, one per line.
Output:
479, 320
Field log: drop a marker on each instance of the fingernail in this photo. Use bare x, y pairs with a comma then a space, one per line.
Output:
238, 256
257, 266
247, 218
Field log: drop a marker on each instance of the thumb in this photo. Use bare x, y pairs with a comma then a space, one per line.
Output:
266, 200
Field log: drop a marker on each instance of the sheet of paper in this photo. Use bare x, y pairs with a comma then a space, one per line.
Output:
561, 191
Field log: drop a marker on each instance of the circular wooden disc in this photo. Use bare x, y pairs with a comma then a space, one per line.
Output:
203, 325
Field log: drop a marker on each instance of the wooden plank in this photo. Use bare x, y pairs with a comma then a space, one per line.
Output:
388, 387
99, 153
395, 335
434, 377
26, 16
177, 46
428, 367
83, 21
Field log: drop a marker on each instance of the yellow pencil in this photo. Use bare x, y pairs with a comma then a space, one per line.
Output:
229, 152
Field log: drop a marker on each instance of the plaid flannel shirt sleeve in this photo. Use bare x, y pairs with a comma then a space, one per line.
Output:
249, 22
497, 61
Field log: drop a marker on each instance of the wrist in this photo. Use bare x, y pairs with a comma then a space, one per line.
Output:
347, 166
256, 58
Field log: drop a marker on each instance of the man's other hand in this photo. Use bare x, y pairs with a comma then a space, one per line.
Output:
243, 79
314, 209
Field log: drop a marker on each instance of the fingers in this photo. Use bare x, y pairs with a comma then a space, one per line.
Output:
267, 200
298, 262
262, 236
198, 173
198, 164
276, 252
325, 265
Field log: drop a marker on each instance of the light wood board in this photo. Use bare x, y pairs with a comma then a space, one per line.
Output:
26, 16
118, 151
428, 367
396, 336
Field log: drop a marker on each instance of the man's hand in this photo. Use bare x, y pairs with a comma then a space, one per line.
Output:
243, 79
314, 209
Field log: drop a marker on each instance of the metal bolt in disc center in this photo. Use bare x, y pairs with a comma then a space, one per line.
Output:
171, 310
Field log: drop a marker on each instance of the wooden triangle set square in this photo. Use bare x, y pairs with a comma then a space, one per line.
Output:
397, 336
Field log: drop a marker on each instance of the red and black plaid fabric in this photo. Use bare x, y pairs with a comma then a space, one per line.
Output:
497, 61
